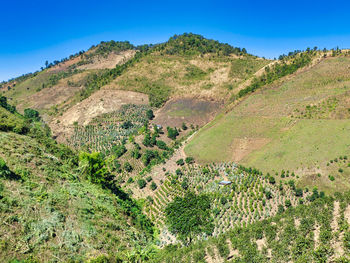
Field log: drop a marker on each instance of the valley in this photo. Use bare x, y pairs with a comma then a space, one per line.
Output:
189, 150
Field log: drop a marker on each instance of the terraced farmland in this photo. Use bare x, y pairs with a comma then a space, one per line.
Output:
251, 197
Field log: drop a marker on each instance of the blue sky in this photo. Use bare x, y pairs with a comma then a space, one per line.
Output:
32, 32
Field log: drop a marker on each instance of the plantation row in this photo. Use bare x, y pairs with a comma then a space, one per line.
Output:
110, 129
317, 232
250, 197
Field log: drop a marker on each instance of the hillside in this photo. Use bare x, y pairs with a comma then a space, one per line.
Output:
49, 210
189, 150
299, 124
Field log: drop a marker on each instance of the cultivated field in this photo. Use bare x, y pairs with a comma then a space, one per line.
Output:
297, 125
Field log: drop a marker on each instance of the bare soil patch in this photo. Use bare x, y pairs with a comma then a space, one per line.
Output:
241, 147
261, 243
189, 110
49, 97
110, 61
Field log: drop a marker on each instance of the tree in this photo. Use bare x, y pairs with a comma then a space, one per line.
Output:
147, 140
189, 216
272, 180
150, 114
184, 127
172, 133
31, 114
126, 125
119, 150
149, 156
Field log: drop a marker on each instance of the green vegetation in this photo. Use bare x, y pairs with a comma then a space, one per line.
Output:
31, 114
278, 239
189, 216
192, 44
60, 205
287, 66
275, 137
53, 204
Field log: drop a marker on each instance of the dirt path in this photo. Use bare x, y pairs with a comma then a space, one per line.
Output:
259, 73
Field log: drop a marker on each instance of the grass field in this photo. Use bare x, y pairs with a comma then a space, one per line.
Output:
264, 130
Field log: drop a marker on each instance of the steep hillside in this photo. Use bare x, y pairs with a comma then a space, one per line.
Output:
299, 124
187, 65
50, 211
61, 82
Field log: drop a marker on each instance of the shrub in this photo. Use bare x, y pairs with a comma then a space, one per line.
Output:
128, 167
153, 186
162, 145
141, 183
149, 178
180, 162
4, 170
92, 165
189, 160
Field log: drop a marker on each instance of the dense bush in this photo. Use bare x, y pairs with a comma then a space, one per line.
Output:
162, 145
93, 167
31, 114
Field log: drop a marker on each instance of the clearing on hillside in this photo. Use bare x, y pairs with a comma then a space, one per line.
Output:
207, 76
103, 101
187, 110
